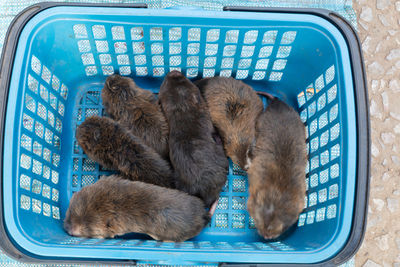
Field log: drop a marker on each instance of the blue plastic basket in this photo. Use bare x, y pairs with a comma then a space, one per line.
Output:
55, 61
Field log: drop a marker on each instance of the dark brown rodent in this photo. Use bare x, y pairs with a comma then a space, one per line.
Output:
234, 107
199, 161
137, 110
277, 173
114, 147
115, 206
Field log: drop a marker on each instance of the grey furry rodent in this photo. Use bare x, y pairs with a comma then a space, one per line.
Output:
115, 206
234, 107
198, 159
277, 173
114, 147
137, 110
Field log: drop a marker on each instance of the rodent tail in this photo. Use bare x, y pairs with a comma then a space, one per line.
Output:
267, 95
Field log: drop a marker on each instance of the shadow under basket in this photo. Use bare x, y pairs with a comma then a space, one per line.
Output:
55, 61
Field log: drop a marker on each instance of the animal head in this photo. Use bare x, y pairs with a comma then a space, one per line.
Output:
89, 216
274, 211
238, 148
178, 92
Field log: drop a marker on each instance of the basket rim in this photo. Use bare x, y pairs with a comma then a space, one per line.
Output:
362, 122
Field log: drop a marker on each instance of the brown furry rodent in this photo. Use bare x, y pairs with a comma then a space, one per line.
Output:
199, 161
114, 147
277, 173
138, 110
234, 107
115, 206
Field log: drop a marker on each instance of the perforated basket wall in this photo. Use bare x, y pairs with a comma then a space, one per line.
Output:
63, 57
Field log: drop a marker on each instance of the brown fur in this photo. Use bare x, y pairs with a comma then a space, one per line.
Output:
115, 206
277, 174
138, 110
199, 161
114, 147
234, 107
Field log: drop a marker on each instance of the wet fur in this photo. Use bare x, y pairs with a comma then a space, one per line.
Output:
277, 174
114, 147
196, 155
234, 107
137, 110
115, 206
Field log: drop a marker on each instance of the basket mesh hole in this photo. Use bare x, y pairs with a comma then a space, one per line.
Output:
312, 199
48, 136
46, 209
322, 194
175, 48
239, 203
262, 64
314, 163
175, 33
265, 51
118, 33
335, 171
56, 160
333, 113
323, 120
105, 59
232, 36
33, 84
238, 220
279, 64
303, 115
137, 33
99, 32
239, 185
319, 83
210, 62
156, 34
222, 203
323, 176
324, 157
288, 37
193, 48
314, 144
25, 182
39, 129
122, 60
87, 59
247, 51
321, 102
138, 47
192, 72
212, 35
141, 71
55, 83
335, 151
275, 76
80, 31
120, 47
211, 49
175, 60
208, 73
25, 202
226, 73
330, 74
54, 195
244, 63
102, 46
229, 50
242, 74
332, 93
46, 74
331, 212
36, 206
335, 130
221, 220
259, 75
46, 191
193, 61
320, 214
36, 65
140, 60
311, 109
88, 180
125, 70
310, 217
50, 118
283, 51
301, 100
37, 149
269, 37
157, 60
37, 168
56, 212
250, 37
54, 176
252, 224
302, 219
88, 165
194, 34
26, 142
314, 180
158, 72
46, 154
107, 70
333, 191
58, 125
91, 70
57, 142
227, 62
156, 48
74, 180
84, 46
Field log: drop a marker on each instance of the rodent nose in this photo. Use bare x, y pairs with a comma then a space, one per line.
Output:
75, 231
